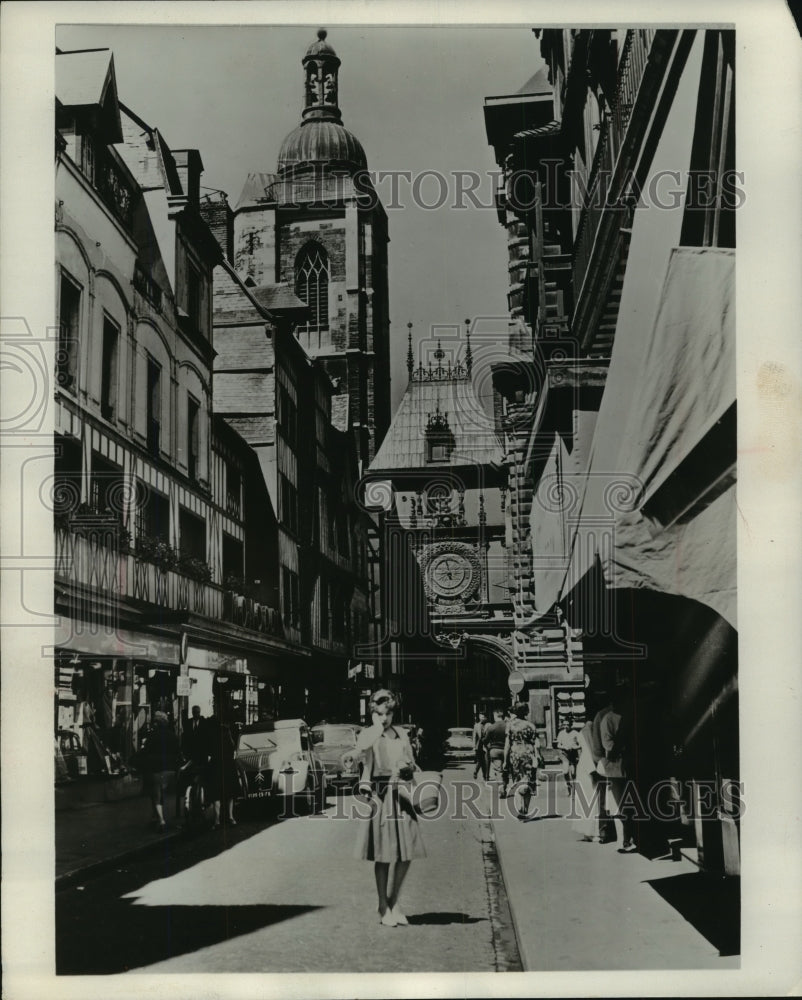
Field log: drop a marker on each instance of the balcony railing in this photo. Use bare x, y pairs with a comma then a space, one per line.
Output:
631, 68
119, 574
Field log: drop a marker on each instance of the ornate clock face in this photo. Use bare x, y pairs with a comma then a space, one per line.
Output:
451, 574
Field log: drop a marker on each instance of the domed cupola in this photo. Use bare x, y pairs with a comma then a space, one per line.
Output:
321, 140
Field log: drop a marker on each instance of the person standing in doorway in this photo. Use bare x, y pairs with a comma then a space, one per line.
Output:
479, 750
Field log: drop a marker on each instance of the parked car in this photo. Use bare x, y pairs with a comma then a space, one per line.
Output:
335, 745
459, 743
276, 764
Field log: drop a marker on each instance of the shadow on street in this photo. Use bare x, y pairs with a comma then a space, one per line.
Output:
126, 936
711, 905
444, 918
99, 932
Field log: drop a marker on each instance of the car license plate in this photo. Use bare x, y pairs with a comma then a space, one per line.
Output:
259, 795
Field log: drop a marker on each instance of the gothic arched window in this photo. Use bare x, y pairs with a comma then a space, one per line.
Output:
312, 285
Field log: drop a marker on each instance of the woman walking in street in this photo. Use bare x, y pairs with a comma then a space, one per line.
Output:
389, 836
522, 754
158, 761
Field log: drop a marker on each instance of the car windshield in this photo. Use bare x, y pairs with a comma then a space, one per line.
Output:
339, 735
460, 732
257, 741
289, 739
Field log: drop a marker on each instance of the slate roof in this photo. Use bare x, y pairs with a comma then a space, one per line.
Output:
405, 447
339, 411
244, 392
254, 429
254, 191
243, 347
278, 298
537, 84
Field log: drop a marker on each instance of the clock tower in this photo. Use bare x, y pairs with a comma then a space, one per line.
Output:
444, 482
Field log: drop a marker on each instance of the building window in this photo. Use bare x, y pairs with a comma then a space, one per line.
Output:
233, 490
324, 609
108, 387
69, 320
288, 497
193, 436
152, 514
154, 406
291, 598
192, 531
233, 558
312, 285
194, 296
105, 493
67, 465
287, 415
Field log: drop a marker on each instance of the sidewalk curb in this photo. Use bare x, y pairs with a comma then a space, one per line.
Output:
67, 879
516, 924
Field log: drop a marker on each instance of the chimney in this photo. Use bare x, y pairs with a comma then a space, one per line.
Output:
189, 165
217, 215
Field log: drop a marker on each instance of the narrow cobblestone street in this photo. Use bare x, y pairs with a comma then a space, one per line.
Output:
246, 910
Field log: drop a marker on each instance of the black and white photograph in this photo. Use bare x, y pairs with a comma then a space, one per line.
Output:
380, 508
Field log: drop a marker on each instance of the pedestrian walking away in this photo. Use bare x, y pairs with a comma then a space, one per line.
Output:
158, 759
495, 741
479, 748
223, 772
388, 835
522, 755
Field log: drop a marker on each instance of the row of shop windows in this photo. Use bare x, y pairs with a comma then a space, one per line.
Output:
106, 705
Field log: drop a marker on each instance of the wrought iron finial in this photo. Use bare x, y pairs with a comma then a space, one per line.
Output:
468, 352
410, 355
439, 353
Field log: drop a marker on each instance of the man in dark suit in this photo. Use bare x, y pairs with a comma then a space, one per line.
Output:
195, 747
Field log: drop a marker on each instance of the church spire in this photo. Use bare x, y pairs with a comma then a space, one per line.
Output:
468, 352
410, 355
321, 66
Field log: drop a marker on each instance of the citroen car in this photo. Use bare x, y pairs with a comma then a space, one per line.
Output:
335, 745
276, 764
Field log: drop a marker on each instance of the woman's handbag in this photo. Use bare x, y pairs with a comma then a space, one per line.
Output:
423, 792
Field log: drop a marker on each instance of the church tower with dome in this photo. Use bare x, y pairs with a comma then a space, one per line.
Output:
317, 225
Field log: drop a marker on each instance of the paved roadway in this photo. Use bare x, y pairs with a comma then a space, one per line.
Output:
287, 896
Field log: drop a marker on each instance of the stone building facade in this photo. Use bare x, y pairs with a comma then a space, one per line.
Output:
317, 224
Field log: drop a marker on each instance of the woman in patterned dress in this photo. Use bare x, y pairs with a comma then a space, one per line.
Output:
389, 836
522, 754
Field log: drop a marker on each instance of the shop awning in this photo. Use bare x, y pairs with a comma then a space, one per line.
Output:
657, 506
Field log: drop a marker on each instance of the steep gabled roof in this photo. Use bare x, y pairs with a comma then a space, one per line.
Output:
254, 191
405, 445
85, 79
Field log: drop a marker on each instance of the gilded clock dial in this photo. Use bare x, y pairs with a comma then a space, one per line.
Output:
450, 574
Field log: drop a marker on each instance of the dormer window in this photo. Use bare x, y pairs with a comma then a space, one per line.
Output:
439, 439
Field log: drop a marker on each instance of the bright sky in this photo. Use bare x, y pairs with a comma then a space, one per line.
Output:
413, 97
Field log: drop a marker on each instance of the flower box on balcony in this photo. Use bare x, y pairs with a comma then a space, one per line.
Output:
157, 551
195, 568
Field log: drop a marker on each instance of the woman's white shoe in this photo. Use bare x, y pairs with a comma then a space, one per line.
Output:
400, 918
388, 920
